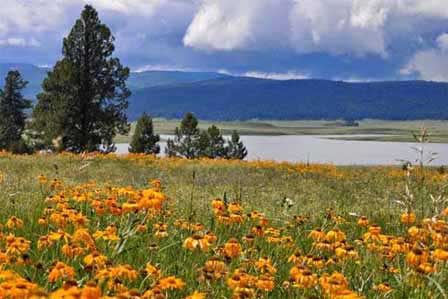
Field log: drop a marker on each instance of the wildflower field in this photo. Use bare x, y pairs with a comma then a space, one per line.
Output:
93, 226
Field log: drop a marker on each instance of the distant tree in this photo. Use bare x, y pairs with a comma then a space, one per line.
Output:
186, 139
204, 145
12, 113
144, 140
85, 96
235, 148
216, 146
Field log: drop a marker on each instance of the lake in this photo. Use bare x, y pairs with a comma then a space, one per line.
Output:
320, 149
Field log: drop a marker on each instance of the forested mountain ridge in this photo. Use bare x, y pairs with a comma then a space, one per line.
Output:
215, 96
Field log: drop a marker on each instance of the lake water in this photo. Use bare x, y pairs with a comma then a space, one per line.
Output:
320, 149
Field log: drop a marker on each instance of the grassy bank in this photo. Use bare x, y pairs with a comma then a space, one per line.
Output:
394, 130
103, 225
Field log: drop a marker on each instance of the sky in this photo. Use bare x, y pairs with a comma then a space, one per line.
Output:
351, 40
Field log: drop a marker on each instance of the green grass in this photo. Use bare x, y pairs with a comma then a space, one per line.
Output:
395, 130
320, 194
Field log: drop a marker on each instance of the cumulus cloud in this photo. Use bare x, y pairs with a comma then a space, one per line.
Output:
238, 24
360, 38
345, 26
357, 27
430, 64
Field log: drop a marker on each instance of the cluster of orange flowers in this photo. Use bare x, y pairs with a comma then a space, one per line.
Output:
107, 242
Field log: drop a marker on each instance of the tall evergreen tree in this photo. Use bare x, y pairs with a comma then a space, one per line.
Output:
216, 147
186, 139
144, 140
204, 145
235, 148
12, 113
85, 95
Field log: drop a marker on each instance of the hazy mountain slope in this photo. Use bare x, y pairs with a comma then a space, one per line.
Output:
247, 98
215, 96
35, 75
156, 78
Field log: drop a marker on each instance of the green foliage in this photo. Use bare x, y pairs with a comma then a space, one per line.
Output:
186, 139
144, 139
12, 113
215, 146
236, 149
191, 143
84, 97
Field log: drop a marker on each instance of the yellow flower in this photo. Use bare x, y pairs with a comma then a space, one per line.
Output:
416, 257
61, 271
196, 295
363, 221
232, 248
14, 222
440, 254
171, 282
152, 270
408, 218
195, 242
382, 287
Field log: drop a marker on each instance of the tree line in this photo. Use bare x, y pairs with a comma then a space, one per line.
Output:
83, 103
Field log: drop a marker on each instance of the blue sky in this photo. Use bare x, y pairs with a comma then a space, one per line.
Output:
354, 40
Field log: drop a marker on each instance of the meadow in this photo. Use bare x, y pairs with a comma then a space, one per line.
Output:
94, 226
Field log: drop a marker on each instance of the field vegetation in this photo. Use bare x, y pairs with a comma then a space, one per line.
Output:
106, 226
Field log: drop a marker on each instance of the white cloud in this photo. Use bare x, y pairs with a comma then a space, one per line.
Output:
291, 75
161, 67
139, 7
430, 64
345, 26
19, 42
338, 27
238, 24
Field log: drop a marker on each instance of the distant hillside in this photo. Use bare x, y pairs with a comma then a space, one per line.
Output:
35, 75
248, 98
214, 96
157, 78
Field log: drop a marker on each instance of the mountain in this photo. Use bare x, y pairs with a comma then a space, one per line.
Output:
137, 80
240, 98
215, 96
33, 74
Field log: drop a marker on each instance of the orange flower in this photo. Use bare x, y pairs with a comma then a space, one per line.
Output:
408, 218
61, 271
416, 257
363, 221
195, 242
196, 295
440, 254
14, 222
232, 248
382, 287
171, 282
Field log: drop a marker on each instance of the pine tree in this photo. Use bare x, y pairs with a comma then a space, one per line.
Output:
85, 96
144, 140
235, 149
204, 145
186, 139
12, 113
216, 148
